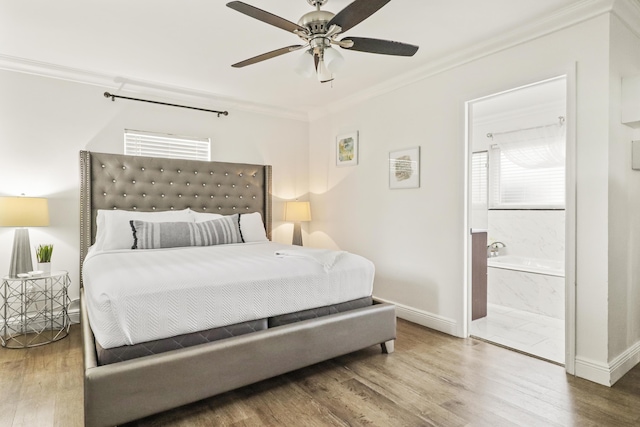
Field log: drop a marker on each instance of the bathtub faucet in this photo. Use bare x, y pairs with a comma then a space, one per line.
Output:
494, 248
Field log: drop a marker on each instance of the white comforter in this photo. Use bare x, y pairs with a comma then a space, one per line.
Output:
135, 296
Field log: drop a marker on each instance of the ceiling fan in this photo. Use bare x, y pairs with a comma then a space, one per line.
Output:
319, 31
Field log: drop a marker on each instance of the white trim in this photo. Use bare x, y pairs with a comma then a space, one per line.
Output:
628, 11
570, 234
593, 371
117, 84
566, 17
608, 374
624, 362
569, 74
424, 318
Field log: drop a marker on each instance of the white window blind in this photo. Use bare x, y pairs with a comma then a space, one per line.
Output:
479, 178
150, 144
527, 169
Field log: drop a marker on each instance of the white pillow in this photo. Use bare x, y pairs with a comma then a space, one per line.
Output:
251, 225
204, 216
114, 230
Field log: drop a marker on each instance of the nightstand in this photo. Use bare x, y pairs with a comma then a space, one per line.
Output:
34, 310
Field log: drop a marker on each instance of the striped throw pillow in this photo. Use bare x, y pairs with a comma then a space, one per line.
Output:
157, 235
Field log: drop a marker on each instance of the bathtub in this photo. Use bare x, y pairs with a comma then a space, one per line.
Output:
529, 265
528, 284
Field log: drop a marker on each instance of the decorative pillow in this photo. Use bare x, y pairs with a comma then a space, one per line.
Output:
113, 229
156, 235
251, 225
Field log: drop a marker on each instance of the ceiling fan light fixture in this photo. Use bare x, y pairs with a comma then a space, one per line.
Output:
333, 59
305, 65
324, 75
319, 30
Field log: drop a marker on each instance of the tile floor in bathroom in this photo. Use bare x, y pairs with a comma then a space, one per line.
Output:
531, 333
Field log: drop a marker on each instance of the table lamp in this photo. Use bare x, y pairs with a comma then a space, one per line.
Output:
297, 212
22, 212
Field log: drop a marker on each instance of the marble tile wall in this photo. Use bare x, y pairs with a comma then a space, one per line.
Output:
529, 233
533, 234
535, 293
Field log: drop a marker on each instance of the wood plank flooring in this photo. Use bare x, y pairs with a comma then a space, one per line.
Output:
431, 380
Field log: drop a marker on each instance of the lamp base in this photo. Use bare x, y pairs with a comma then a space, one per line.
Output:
297, 234
21, 256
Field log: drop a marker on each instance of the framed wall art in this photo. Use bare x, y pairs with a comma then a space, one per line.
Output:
347, 149
404, 168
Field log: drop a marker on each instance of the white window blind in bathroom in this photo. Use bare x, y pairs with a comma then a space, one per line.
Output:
479, 178
527, 169
150, 144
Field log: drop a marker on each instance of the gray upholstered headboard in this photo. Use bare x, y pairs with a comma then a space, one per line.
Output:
115, 181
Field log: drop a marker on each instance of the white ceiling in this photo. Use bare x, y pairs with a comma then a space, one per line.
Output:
192, 44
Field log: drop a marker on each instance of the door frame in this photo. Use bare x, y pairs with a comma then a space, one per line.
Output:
569, 74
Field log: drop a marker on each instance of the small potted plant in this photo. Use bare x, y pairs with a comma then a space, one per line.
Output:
43, 253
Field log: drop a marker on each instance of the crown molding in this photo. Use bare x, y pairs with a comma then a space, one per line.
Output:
563, 18
628, 11
118, 84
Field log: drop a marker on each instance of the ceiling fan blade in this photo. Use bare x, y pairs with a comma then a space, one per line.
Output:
265, 16
267, 55
356, 12
385, 47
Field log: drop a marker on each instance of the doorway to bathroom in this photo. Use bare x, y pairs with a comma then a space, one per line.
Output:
517, 216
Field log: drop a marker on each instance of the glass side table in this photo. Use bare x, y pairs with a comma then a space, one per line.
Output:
34, 310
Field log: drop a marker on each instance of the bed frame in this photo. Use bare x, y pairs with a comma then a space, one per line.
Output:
125, 391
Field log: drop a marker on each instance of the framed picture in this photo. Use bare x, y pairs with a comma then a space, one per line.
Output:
347, 149
404, 168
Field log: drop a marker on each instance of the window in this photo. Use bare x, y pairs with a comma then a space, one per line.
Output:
479, 178
528, 169
138, 143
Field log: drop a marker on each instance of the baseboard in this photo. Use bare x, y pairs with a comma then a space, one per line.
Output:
593, 371
608, 374
625, 362
424, 318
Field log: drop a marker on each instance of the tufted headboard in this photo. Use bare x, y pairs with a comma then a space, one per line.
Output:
115, 181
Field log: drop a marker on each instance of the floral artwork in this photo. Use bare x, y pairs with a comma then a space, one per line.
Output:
347, 149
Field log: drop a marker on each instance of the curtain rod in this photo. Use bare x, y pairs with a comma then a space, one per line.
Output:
560, 120
113, 98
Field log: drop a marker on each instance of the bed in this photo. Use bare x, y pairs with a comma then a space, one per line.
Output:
118, 389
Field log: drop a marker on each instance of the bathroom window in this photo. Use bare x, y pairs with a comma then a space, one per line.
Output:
151, 144
528, 169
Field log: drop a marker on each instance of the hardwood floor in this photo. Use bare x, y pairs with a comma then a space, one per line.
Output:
431, 379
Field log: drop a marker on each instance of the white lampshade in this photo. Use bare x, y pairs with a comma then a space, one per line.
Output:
324, 75
333, 59
305, 65
297, 211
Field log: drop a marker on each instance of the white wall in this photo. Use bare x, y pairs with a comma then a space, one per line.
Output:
624, 208
416, 238
46, 122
